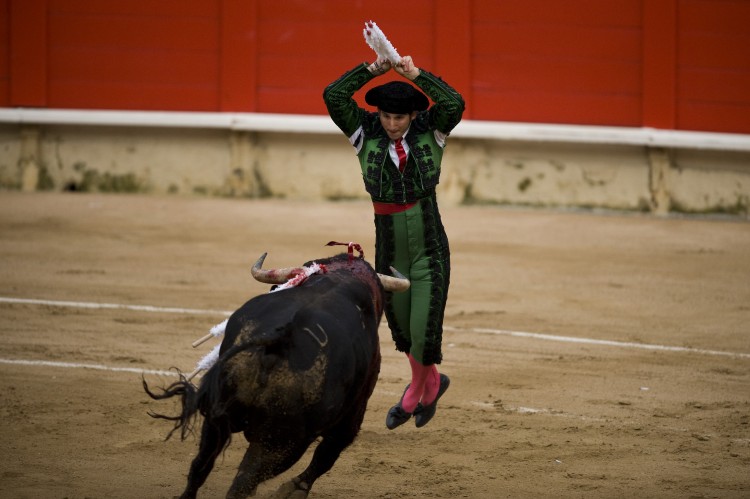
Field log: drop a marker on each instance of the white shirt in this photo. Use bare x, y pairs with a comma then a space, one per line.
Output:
356, 140
392, 149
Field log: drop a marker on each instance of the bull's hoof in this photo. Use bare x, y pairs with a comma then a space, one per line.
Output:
237, 491
293, 489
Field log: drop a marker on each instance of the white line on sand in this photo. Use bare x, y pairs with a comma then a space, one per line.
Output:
175, 310
593, 341
139, 308
76, 365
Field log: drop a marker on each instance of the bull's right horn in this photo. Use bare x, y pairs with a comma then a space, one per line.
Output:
273, 276
397, 284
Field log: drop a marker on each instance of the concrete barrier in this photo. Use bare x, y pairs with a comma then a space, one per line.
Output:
306, 157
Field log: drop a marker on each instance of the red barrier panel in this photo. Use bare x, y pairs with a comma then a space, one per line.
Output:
671, 64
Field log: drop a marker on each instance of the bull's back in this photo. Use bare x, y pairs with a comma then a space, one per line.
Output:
302, 350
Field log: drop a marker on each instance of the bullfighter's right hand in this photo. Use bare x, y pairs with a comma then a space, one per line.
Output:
407, 68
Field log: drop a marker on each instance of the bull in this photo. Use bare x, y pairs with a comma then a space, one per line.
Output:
294, 366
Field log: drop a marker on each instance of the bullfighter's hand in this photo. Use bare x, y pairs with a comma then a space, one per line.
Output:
406, 68
380, 66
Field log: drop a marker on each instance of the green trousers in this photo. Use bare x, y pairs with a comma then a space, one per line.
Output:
414, 242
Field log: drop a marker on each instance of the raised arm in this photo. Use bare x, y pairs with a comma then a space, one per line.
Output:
449, 105
338, 96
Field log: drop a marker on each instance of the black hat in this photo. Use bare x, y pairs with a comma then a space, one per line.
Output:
397, 97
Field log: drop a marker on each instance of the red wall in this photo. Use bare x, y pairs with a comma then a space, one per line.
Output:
713, 65
4, 52
674, 64
539, 60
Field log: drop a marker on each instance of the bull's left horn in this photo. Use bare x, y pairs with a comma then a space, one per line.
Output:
273, 276
397, 284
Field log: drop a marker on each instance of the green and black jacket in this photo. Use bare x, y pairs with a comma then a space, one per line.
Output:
382, 180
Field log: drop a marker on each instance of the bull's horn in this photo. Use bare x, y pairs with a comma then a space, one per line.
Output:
273, 276
397, 284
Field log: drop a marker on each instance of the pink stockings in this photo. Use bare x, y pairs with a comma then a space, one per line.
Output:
425, 383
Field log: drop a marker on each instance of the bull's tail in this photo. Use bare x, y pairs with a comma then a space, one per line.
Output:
185, 420
209, 399
206, 399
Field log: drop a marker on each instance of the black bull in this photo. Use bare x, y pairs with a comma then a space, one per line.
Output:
294, 365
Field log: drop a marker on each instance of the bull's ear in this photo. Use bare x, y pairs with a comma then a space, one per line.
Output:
397, 284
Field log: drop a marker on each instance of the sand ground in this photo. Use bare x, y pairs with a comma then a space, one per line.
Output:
653, 400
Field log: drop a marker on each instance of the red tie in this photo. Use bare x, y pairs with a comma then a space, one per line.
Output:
401, 155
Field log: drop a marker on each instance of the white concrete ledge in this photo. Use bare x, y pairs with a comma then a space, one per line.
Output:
472, 129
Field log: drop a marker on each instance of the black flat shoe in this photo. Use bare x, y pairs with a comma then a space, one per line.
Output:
424, 413
396, 414
396, 417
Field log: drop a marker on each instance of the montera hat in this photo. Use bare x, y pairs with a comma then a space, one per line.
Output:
397, 97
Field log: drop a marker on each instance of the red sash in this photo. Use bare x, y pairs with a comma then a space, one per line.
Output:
390, 208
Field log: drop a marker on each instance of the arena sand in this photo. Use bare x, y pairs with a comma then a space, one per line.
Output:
527, 415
